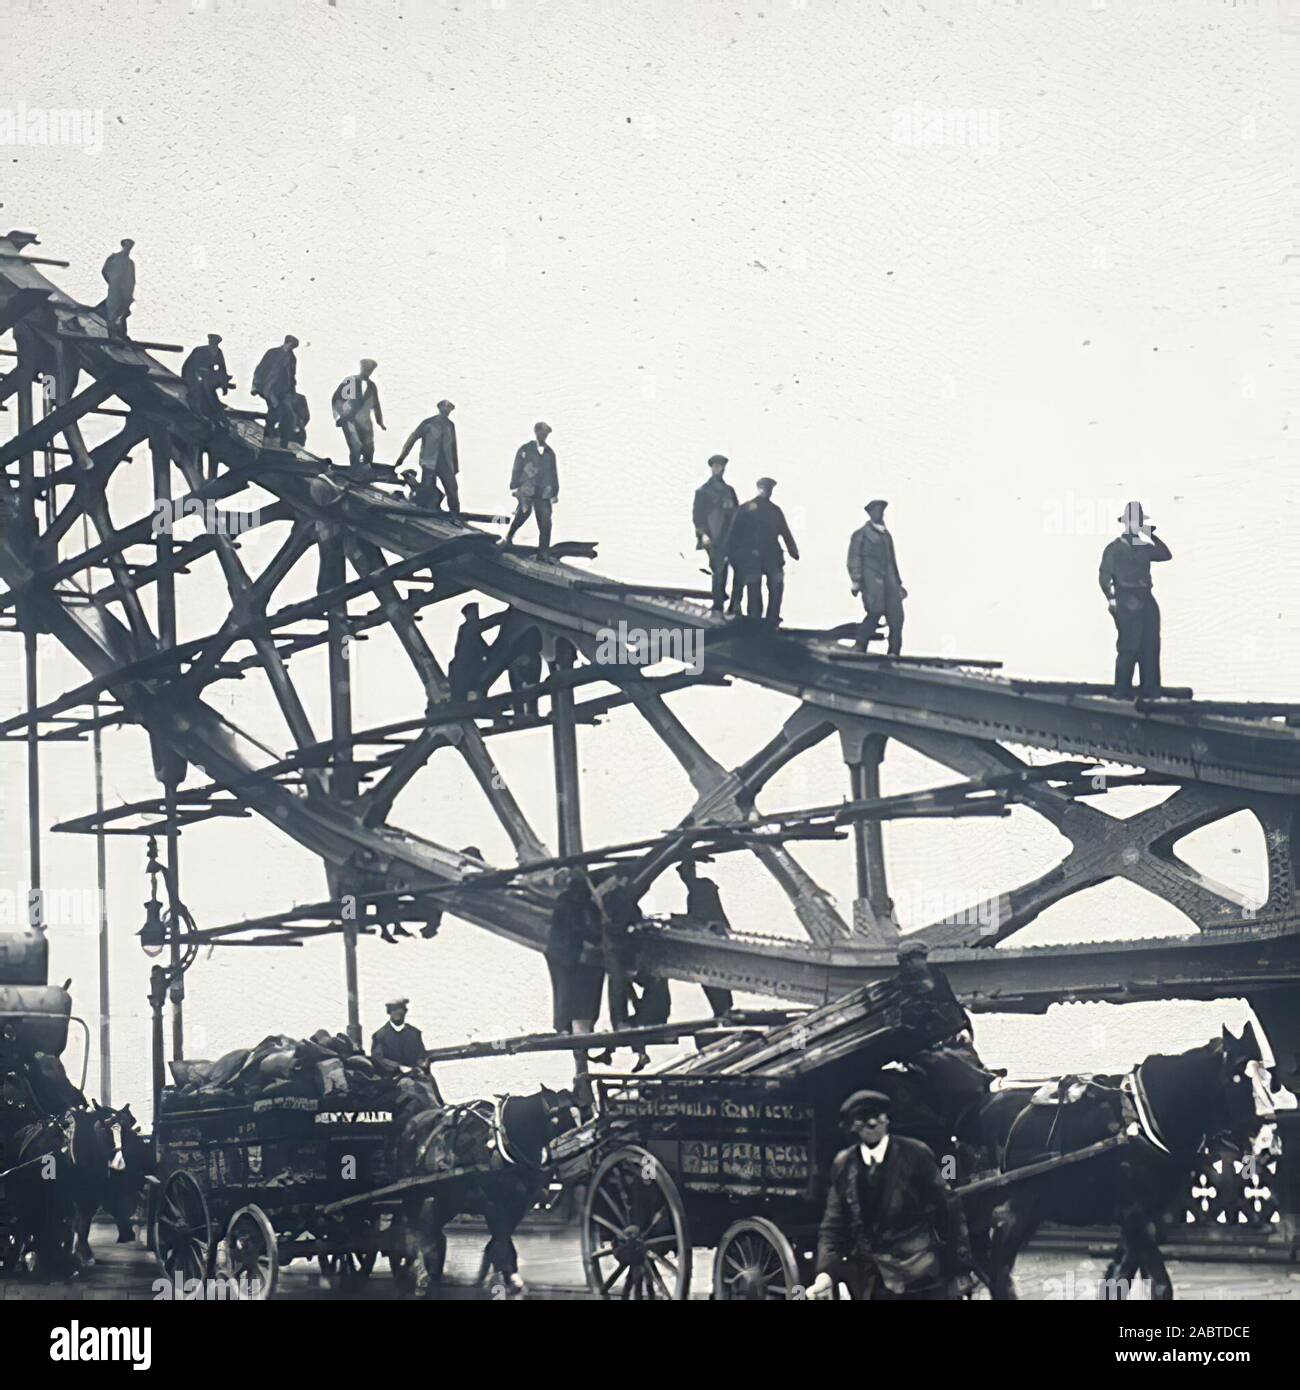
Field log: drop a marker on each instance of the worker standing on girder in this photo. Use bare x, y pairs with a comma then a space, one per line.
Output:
276, 381
704, 905
715, 504
575, 987
439, 460
206, 379
468, 664
1125, 579
357, 411
119, 275
535, 483
754, 549
873, 570
525, 670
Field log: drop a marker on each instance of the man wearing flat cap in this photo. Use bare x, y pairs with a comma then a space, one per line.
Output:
891, 1231
205, 376
119, 276
754, 550
873, 572
439, 460
715, 504
535, 482
357, 411
398, 1042
275, 379
930, 1009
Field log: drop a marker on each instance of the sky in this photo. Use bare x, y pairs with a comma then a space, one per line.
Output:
1006, 265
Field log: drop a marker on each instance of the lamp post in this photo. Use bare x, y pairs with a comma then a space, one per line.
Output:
164, 925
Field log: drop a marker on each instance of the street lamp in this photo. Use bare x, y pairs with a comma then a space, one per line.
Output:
163, 927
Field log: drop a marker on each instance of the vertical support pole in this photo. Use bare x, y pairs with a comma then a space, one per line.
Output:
160, 456
27, 515
568, 800
343, 775
873, 908
101, 880
564, 740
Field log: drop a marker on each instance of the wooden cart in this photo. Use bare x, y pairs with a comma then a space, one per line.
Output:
263, 1178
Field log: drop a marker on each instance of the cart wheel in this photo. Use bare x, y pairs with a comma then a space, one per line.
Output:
183, 1238
345, 1269
634, 1239
755, 1261
253, 1253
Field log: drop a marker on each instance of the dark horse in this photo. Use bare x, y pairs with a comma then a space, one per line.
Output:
489, 1159
1176, 1104
61, 1170
109, 1161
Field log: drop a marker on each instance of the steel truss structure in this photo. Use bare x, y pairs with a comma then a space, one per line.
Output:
380, 560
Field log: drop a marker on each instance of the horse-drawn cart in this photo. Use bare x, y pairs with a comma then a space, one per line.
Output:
731, 1148
262, 1179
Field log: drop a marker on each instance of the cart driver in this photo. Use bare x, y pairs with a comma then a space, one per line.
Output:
398, 1042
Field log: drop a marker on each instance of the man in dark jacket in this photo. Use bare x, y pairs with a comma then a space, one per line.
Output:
754, 550
715, 504
1125, 579
892, 1230
525, 670
873, 571
704, 905
439, 459
398, 1043
929, 1008
276, 381
535, 482
119, 276
206, 379
575, 987
468, 664
357, 411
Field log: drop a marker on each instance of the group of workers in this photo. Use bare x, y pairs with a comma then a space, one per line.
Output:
746, 544
601, 912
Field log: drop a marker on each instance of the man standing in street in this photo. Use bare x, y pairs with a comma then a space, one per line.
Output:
119, 276
276, 381
873, 571
535, 482
704, 905
754, 550
398, 1042
715, 504
439, 460
1125, 579
892, 1231
357, 411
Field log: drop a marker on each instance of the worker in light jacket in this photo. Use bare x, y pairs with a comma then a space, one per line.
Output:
873, 572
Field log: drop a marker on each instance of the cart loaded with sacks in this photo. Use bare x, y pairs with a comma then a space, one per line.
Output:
249, 1181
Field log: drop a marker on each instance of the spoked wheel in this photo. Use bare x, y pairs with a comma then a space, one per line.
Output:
755, 1261
183, 1240
253, 1253
634, 1238
346, 1269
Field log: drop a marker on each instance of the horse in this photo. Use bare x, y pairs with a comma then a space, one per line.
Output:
108, 1162
489, 1158
1174, 1103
